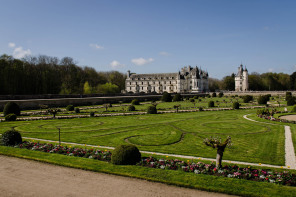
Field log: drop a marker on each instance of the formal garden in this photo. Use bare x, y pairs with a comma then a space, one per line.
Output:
186, 127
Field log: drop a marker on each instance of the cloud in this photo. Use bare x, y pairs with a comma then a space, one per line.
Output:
141, 61
163, 53
115, 64
11, 45
96, 46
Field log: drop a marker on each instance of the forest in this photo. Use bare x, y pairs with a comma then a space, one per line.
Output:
50, 75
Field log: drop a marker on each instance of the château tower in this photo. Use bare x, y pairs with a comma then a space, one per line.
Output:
241, 79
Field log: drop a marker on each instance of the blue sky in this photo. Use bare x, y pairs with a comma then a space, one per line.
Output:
149, 36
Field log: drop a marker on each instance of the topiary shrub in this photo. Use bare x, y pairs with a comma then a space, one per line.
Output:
11, 108
135, 102
220, 94
247, 98
288, 95
235, 105
10, 117
92, 114
131, 108
151, 110
200, 109
125, 155
70, 108
11, 138
294, 108
211, 104
166, 97
77, 110
214, 94
291, 101
262, 100
177, 97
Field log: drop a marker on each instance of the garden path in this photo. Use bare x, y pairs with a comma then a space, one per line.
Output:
20, 177
290, 157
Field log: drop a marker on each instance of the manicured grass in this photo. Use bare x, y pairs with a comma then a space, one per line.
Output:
179, 178
177, 133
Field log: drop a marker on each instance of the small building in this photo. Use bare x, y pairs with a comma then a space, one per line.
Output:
241, 80
188, 80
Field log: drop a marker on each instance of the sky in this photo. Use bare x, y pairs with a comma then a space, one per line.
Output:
154, 36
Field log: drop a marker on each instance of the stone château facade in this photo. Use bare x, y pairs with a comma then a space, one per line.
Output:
188, 80
241, 80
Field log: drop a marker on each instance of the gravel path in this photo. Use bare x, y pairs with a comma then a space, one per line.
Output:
20, 177
290, 158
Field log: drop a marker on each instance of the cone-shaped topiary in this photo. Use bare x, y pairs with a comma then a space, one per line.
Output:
135, 102
126, 155
177, 97
166, 97
11, 138
11, 108
211, 104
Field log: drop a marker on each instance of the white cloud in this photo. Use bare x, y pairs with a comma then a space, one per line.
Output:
141, 61
96, 46
164, 53
115, 64
11, 45
19, 52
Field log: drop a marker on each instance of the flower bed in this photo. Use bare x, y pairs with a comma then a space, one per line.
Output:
69, 151
230, 171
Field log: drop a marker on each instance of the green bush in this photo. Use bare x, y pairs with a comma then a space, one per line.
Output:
235, 105
262, 100
10, 117
291, 101
11, 138
152, 110
177, 97
166, 97
211, 104
214, 94
11, 108
220, 94
131, 108
92, 114
294, 108
247, 98
288, 95
126, 155
192, 100
200, 109
135, 102
77, 110
70, 108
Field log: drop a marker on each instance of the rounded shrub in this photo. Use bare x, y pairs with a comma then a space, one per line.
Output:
211, 104
220, 94
200, 109
247, 98
214, 94
177, 97
235, 105
291, 101
135, 102
70, 108
166, 97
11, 108
126, 155
131, 108
262, 100
10, 117
11, 138
77, 110
92, 114
294, 108
151, 110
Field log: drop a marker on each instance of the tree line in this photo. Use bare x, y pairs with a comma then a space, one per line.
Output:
50, 75
257, 82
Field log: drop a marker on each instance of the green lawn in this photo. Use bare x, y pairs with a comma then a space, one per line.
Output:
178, 133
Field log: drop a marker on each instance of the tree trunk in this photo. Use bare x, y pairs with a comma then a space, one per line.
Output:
219, 158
